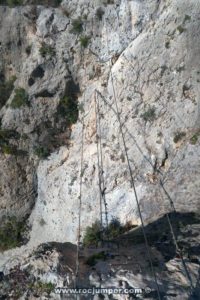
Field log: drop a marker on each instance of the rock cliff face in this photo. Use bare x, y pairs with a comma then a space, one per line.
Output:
55, 64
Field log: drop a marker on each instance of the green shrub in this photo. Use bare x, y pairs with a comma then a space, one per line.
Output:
6, 89
20, 99
68, 108
12, 150
41, 152
179, 136
194, 139
150, 114
180, 29
93, 234
58, 2
11, 233
92, 260
77, 26
8, 149
47, 50
187, 18
114, 228
84, 41
43, 287
6, 134
14, 2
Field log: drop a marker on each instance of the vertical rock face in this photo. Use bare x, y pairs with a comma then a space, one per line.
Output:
145, 55
29, 130
74, 76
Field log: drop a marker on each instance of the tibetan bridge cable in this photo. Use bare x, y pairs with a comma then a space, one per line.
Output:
131, 176
173, 209
178, 250
136, 197
80, 206
80, 194
167, 214
99, 170
169, 198
102, 187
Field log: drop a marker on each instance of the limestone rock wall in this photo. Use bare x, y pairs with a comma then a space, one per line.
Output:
153, 47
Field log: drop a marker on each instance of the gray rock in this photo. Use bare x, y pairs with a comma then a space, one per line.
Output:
149, 52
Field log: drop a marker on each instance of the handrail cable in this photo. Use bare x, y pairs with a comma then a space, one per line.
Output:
80, 207
98, 165
178, 250
103, 188
172, 206
161, 185
131, 176
80, 196
133, 184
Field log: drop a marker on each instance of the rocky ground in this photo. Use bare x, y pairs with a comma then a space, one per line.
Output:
56, 58
122, 262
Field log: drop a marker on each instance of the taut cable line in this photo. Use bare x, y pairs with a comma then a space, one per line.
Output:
178, 250
131, 177
77, 271
80, 206
98, 165
103, 187
161, 184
